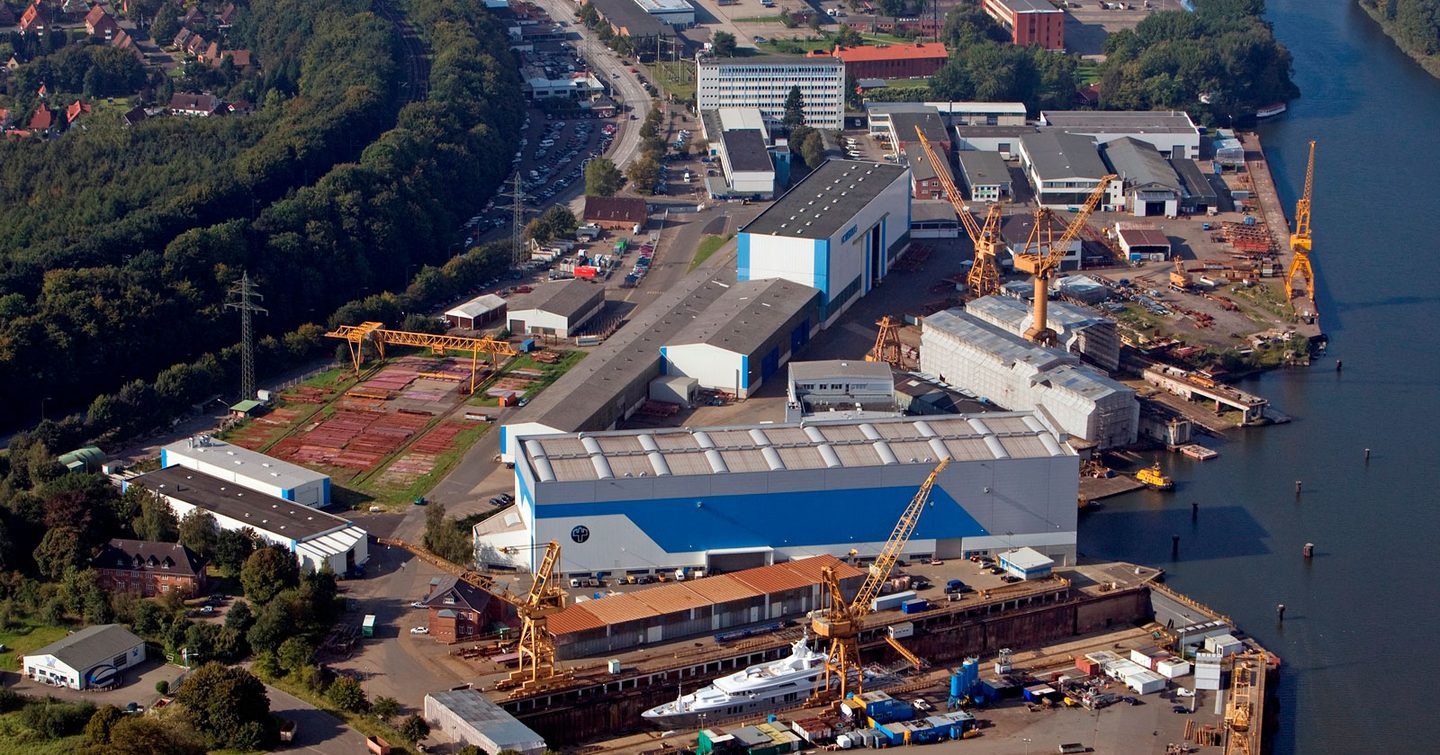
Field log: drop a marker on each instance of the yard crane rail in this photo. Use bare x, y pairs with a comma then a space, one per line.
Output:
1300, 243
984, 276
1043, 255
840, 622
356, 336
536, 648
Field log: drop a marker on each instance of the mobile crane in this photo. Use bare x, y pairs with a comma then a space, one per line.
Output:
840, 621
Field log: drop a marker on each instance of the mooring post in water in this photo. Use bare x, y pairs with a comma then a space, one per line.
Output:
1298, 486
1174, 546
1309, 550
1367, 456
1194, 511
1339, 365
1280, 612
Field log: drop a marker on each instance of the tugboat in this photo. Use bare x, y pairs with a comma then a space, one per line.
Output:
1154, 479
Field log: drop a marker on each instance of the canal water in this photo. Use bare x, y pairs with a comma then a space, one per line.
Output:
1362, 618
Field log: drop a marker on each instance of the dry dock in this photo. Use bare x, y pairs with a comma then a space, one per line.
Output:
1267, 197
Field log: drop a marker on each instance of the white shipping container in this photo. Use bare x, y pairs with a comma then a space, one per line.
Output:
1145, 682
1172, 668
1224, 645
892, 601
1144, 656
902, 630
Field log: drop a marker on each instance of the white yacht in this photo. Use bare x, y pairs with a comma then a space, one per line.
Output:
759, 688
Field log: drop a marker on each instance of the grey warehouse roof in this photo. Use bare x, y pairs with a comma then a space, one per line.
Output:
1139, 164
828, 368
826, 200
91, 646
478, 306
747, 315
994, 132
919, 162
244, 462
1007, 309
928, 120
1056, 154
492, 721
983, 168
922, 210
746, 150
630, 15
263, 512
994, 341
1121, 121
1030, 6
569, 298
1194, 180
792, 446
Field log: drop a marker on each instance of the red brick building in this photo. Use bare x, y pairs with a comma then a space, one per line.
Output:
149, 569
459, 610
892, 61
1030, 22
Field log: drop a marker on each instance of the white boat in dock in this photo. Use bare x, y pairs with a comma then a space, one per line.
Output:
757, 689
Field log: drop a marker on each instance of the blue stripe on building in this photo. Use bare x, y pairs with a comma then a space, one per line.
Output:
744, 372
778, 520
742, 257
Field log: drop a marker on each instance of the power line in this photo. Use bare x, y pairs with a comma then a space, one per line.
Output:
243, 297
518, 253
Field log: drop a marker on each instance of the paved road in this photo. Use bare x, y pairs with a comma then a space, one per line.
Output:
318, 731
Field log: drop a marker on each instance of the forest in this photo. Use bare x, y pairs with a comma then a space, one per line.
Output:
119, 290
1220, 63
1414, 25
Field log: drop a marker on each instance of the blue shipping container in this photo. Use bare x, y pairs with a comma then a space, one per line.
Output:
915, 606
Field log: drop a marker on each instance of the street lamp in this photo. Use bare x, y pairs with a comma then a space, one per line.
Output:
42, 408
1027, 745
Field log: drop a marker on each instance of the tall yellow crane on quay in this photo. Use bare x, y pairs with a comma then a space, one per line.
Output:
984, 276
1300, 239
1043, 255
841, 621
545, 597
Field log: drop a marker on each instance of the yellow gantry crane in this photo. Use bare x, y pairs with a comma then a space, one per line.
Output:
887, 344
536, 648
984, 277
1043, 255
1300, 239
840, 622
375, 333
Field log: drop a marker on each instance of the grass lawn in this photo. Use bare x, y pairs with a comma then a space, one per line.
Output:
17, 739
907, 83
707, 247
676, 77
1087, 72
25, 638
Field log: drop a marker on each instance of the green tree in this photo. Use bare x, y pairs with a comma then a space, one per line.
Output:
156, 522
147, 618
227, 706
97, 731
794, 109
268, 571
643, 173
239, 617
58, 551
162, 687
812, 149
385, 708
232, 547
199, 533
602, 178
848, 37
414, 729
144, 735
347, 694
295, 655
723, 44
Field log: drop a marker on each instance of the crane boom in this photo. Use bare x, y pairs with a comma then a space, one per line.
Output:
1300, 243
1043, 255
904, 528
984, 276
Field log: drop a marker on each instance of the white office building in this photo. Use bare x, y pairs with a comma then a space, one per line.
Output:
1064, 169
765, 81
839, 230
1169, 131
966, 352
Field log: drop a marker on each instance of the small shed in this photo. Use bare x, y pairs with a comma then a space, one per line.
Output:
1026, 563
1143, 244
477, 313
468, 717
85, 459
247, 408
674, 389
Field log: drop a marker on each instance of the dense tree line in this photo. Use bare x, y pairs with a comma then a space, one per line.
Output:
985, 66
1218, 63
1413, 24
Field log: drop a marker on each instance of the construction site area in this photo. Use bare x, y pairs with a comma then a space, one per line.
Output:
388, 429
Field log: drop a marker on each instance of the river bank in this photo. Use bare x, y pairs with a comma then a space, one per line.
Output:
1431, 63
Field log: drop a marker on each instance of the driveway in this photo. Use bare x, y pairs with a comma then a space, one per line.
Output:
316, 730
137, 685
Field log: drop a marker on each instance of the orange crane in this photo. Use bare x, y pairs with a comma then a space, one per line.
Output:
1300, 239
1043, 255
375, 333
537, 647
841, 621
984, 277
887, 344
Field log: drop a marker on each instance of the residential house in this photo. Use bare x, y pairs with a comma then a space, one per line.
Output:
195, 47
615, 213
135, 115
98, 23
459, 610
192, 17
182, 38
12, 64
36, 19
4, 118
226, 17
201, 105
124, 41
43, 120
147, 568
74, 111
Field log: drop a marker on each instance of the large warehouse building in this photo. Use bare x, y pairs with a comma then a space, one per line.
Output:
1172, 132
745, 336
1082, 331
249, 469
765, 81
966, 352
739, 497
838, 230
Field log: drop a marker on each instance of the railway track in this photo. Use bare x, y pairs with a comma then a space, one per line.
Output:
415, 56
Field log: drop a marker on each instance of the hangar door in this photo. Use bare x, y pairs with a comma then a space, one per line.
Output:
725, 560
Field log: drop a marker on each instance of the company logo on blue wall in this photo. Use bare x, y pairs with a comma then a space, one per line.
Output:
850, 234
580, 534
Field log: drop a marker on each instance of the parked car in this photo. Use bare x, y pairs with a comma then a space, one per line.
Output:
418, 604
420, 630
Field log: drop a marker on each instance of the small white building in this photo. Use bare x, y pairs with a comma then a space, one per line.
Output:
848, 384
317, 539
556, 309
745, 336
477, 313
968, 353
1142, 244
933, 220
1169, 131
1026, 563
1151, 185
838, 230
745, 159
467, 717
675, 12
987, 178
92, 658
249, 469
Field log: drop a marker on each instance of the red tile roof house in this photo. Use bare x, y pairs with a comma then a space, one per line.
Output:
43, 119
148, 568
36, 20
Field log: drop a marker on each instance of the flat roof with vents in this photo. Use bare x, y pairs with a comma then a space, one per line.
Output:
239, 461
827, 200
786, 447
229, 499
